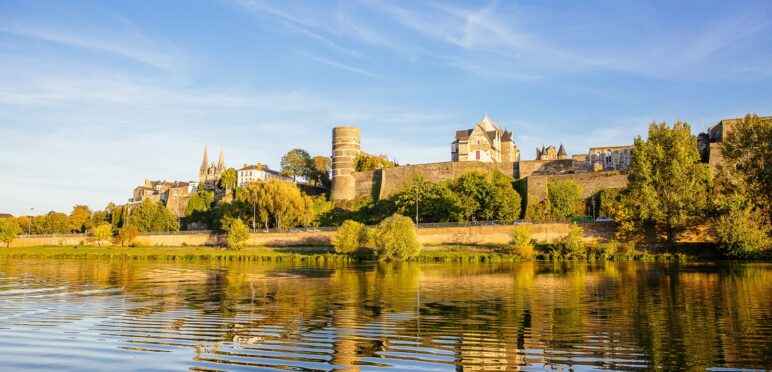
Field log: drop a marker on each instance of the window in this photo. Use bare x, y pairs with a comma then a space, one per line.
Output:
608, 156
477, 154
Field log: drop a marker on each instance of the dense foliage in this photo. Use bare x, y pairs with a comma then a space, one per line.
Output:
102, 232
238, 233
295, 163
395, 239
364, 162
743, 233
565, 198
572, 244
351, 235
126, 234
152, 216
522, 243
667, 183
276, 203
9, 230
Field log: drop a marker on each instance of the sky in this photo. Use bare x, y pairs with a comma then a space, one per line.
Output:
97, 96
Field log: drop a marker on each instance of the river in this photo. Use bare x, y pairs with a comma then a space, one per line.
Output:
178, 315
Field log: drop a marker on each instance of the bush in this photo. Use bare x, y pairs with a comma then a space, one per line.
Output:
395, 239
522, 244
741, 234
126, 234
565, 198
238, 233
571, 245
350, 236
102, 232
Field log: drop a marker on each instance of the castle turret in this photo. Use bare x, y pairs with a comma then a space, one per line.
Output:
345, 147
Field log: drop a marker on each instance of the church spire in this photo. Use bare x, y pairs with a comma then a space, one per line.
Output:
221, 163
205, 163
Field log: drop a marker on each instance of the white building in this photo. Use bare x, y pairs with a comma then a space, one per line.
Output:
257, 172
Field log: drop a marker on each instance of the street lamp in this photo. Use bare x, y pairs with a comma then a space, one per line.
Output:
29, 228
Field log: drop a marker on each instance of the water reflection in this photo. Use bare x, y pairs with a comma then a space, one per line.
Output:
92, 314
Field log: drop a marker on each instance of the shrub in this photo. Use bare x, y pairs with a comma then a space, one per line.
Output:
395, 239
350, 236
102, 232
572, 244
565, 198
522, 244
238, 233
741, 234
126, 234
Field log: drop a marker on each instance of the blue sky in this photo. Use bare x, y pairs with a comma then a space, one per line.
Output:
96, 96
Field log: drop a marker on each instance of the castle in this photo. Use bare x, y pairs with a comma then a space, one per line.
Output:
210, 173
485, 142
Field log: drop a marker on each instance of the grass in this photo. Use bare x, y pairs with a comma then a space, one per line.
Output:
322, 254
443, 253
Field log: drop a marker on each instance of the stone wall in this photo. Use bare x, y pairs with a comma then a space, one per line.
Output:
393, 179
529, 167
441, 235
590, 182
367, 184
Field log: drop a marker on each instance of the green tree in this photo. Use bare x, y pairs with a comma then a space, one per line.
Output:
572, 244
9, 230
436, 202
80, 218
238, 233
53, 223
396, 239
743, 233
126, 234
296, 163
522, 243
228, 180
319, 173
152, 216
746, 167
351, 235
565, 198
486, 196
102, 232
667, 182
365, 162
200, 202
278, 203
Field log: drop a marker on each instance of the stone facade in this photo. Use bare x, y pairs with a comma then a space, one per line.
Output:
257, 172
610, 158
709, 143
174, 195
485, 142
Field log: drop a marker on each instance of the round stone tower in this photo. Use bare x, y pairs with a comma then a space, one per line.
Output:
345, 147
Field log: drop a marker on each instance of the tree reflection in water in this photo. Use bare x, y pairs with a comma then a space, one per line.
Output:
406, 315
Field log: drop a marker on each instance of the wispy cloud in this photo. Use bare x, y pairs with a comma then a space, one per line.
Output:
130, 46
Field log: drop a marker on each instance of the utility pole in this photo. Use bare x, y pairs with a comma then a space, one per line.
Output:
254, 213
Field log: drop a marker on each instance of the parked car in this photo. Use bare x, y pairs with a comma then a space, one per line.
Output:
295, 230
521, 222
312, 229
604, 219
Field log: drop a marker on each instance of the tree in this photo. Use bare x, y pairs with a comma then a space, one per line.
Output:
228, 179
278, 203
126, 234
351, 235
486, 196
238, 233
53, 223
667, 182
522, 243
296, 163
152, 216
572, 244
199, 202
747, 160
102, 232
396, 239
743, 233
80, 218
365, 162
565, 198
9, 230
435, 202
320, 171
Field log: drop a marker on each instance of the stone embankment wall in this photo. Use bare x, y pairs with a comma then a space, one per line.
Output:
439, 235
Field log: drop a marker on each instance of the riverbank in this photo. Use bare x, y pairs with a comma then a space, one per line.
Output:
436, 253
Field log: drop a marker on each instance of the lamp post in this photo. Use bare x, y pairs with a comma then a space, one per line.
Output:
29, 228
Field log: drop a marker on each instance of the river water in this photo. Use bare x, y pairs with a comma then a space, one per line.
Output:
149, 315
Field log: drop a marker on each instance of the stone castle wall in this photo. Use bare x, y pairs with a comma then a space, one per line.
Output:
345, 147
591, 183
393, 179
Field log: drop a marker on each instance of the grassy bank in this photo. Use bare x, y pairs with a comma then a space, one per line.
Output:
486, 253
